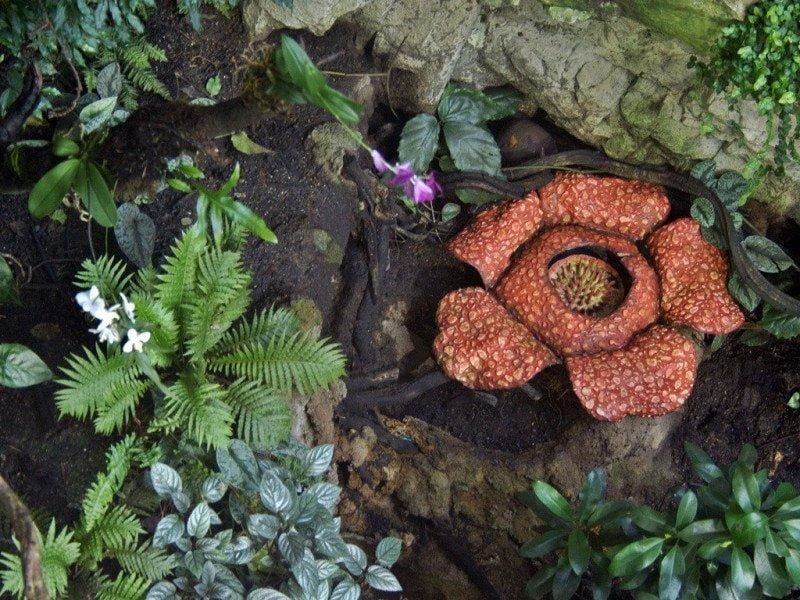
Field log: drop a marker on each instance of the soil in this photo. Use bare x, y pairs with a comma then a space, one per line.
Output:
740, 395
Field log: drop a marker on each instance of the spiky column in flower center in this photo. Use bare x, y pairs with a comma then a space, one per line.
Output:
586, 284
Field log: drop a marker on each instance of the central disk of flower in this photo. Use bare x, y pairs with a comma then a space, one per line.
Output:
587, 285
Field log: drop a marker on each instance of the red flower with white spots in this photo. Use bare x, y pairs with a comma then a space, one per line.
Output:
567, 275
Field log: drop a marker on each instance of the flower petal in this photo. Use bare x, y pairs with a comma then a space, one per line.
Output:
652, 376
490, 239
694, 277
402, 174
482, 346
380, 164
527, 292
624, 206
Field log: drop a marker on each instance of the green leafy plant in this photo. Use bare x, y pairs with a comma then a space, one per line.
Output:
757, 58
287, 543
457, 136
766, 255
207, 370
191, 8
108, 532
735, 536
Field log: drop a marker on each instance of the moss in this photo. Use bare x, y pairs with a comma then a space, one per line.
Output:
307, 312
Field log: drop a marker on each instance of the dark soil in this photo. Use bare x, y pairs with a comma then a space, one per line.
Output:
740, 395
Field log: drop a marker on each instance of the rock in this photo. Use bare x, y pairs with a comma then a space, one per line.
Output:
264, 16
327, 144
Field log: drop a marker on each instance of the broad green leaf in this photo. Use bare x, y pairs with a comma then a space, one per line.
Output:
766, 255
565, 583
636, 556
136, 234
179, 184
670, 576
450, 211
503, 102
552, 500
649, 519
790, 507
214, 489
462, 105
242, 142
472, 147
543, 544
95, 195
713, 549
476, 197
163, 590
745, 489
418, 141
46, 195
326, 494
578, 551
592, 493
8, 287
705, 171
749, 529
168, 531
199, 521
266, 594
729, 187
20, 367
702, 463
213, 86
382, 579
95, 115
388, 551
263, 525
743, 572
346, 589
63, 146
703, 212
191, 171
742, 293
779, 324
792, 527
275, 496
242, 215
540, 584
109, 81
610, 512
793, 565
165, 480
318, 460
687, 510
772, 575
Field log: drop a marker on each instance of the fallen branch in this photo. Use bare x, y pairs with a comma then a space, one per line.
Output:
28, 537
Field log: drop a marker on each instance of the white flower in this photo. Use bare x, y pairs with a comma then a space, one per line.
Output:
90, 301
128, 307
106, 332
135, 341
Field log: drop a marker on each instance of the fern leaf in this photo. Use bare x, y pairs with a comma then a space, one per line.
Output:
124, 587
220, 299
206, 418
108, 273
144, 282
265, 325
263, 415
153, 316
92, 381
101, 492
59, 552
121, 406
118, 529
285, 362
148, 562
177, 282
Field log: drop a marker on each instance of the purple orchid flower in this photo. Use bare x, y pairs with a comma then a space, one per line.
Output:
381, 166
418, 189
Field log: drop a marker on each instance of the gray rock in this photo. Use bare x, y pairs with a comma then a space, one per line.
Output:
264, 16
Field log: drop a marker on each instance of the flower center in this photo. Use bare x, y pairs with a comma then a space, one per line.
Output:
587, 285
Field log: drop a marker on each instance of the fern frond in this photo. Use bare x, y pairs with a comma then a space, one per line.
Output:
206, 418
118, 529
221, 298
153, 316
144, 282
101, 492
121, 406
265, 325
108, 273
59, 552
124, 587
177, 282
148, 562
135, 58
93, 380
263, 415
284, 362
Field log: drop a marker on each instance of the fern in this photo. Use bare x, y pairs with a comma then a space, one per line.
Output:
118, 529
95, 382
136, 58
266, 324
148, 562
263, 416
200, 407
101, 493
109, 274
283, 362
124, 587
156, 318
177, 282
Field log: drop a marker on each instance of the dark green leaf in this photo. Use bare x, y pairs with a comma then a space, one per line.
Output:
109, 81
63, 146
503, 102
191, 171
610, 512
46, 195
241, 214
462, 105
649, 520
749, 529
792, 527
472, 148
578, 551
790, 507
543, 544
772, 575
476, 197
636, 556
340, 106
745, 489
593, 492
450, 211
8, 287
742, 293
779, 324
702, 463
729, 187
766, 255
670, 577
704, 530
713, 549
687, 510
703, 212
418, 141
540, 584
388, 551
93, 190
793, 565
552, 500
775, 545
705, 171
565, 583
743, 572
382, 579
95, 115
21, 367
136, 234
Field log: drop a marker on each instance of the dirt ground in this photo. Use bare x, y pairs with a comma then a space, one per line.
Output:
740, 395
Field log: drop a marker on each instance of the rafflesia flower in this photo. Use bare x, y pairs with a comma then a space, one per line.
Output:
580, 272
